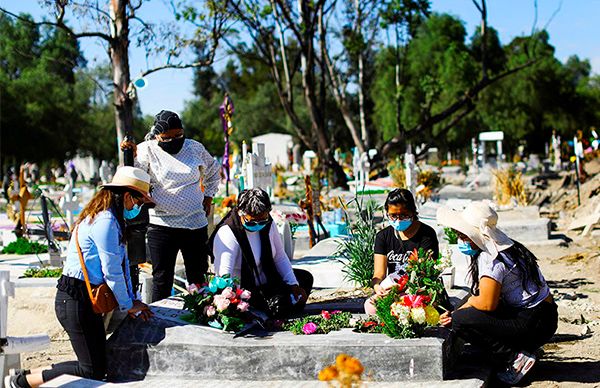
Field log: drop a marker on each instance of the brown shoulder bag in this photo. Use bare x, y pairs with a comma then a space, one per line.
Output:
102, 298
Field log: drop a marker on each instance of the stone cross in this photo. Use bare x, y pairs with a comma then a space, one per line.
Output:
104, 172
68, 204
556, 151
255, 169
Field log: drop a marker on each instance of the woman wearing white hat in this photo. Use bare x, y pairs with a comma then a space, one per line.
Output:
98, 241
511, 312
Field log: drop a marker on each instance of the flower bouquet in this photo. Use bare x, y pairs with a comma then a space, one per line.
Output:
410, 305
218, 303
319, 324
347, 371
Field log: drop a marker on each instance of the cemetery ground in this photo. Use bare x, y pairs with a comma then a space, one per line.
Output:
571, 359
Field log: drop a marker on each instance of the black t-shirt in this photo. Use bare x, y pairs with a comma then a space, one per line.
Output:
397, 251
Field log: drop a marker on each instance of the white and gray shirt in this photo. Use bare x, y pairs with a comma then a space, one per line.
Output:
506, 272
175, 181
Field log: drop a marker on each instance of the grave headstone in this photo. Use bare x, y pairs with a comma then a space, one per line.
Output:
257, 172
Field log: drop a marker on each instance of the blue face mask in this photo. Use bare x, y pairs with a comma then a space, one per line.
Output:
401, 225
465, 248
254, 228
134, 212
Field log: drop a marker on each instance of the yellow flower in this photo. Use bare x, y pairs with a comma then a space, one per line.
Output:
328, 373
353, 366
340, 360
432, 317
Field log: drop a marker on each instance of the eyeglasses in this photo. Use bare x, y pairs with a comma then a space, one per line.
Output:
168, 139
399, 217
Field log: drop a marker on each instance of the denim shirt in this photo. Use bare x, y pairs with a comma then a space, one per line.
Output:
104, 256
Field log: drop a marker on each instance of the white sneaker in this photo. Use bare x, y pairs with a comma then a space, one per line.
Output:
515, 372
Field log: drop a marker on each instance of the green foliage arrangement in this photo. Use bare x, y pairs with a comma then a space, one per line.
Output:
43, 273
319, 324
450, 236
357, 250
24, 247
424, 272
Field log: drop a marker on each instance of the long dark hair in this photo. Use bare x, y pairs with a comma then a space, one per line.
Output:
401, 197
108, 199
525, 261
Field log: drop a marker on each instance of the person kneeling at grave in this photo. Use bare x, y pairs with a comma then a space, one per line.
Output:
96, 256
395, 243
246, 245
511, 312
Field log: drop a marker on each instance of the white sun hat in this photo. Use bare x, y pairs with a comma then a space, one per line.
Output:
132, 178
478, 221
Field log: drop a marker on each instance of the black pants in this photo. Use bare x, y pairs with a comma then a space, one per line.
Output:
86, 333
164, 243
506, 331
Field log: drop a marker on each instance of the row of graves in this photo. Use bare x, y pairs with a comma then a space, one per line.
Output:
180, 344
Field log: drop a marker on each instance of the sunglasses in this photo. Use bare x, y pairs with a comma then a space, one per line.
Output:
255, 223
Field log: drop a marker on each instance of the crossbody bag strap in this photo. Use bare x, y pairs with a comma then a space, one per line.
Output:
85, 273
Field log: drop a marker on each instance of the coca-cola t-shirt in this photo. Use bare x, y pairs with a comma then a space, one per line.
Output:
397, 251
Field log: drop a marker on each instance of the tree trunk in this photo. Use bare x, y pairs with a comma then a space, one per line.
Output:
361, 83
119, 57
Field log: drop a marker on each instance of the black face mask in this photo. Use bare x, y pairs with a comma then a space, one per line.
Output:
173, 147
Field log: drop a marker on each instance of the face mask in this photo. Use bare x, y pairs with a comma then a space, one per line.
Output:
465, 248
254, 228
134, 212
401, 225
172, 147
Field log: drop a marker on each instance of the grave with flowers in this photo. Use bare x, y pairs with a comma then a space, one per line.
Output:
207, 335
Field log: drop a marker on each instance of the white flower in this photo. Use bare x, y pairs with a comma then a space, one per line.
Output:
418, 315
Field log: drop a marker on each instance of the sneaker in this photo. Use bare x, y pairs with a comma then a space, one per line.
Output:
11, 382
515, 372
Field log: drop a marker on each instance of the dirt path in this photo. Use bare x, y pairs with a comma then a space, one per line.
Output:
572, 359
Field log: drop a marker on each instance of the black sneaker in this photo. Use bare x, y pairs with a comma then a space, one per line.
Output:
522, 363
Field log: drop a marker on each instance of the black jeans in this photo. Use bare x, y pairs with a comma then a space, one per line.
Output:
506, 331
164, 243
86, 333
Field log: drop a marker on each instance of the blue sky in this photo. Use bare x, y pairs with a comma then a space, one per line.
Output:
573, 31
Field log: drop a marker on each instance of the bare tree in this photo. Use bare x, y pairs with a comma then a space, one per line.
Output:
270, 25
116, 24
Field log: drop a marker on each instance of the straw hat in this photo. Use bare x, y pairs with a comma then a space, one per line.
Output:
133, 178
478, 221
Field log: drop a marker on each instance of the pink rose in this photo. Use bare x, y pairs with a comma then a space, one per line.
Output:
246, 295
228, 293
336, 312
243, 306
192, 289
222, 304
309, 328
325, 314
210, 310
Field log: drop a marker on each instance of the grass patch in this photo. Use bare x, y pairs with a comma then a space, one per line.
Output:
43, 273
24, 247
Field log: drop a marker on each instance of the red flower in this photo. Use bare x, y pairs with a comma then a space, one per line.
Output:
402, 282
369, 324
325, 314
414, 300
414, 256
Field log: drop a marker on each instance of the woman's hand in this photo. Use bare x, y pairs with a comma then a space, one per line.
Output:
298, 293
446, 319
380, 291
140, 310
125, 145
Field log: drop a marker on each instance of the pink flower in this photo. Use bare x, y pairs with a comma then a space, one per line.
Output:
243, 306
336, 312
210, 310
192, 289
325, 314
414, 300
246, 295
228, 293
309, 328
221, 302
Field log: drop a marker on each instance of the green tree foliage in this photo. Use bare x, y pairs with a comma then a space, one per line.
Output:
40, 100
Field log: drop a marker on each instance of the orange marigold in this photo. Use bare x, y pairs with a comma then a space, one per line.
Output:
329, 373
353, 366
341, 359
